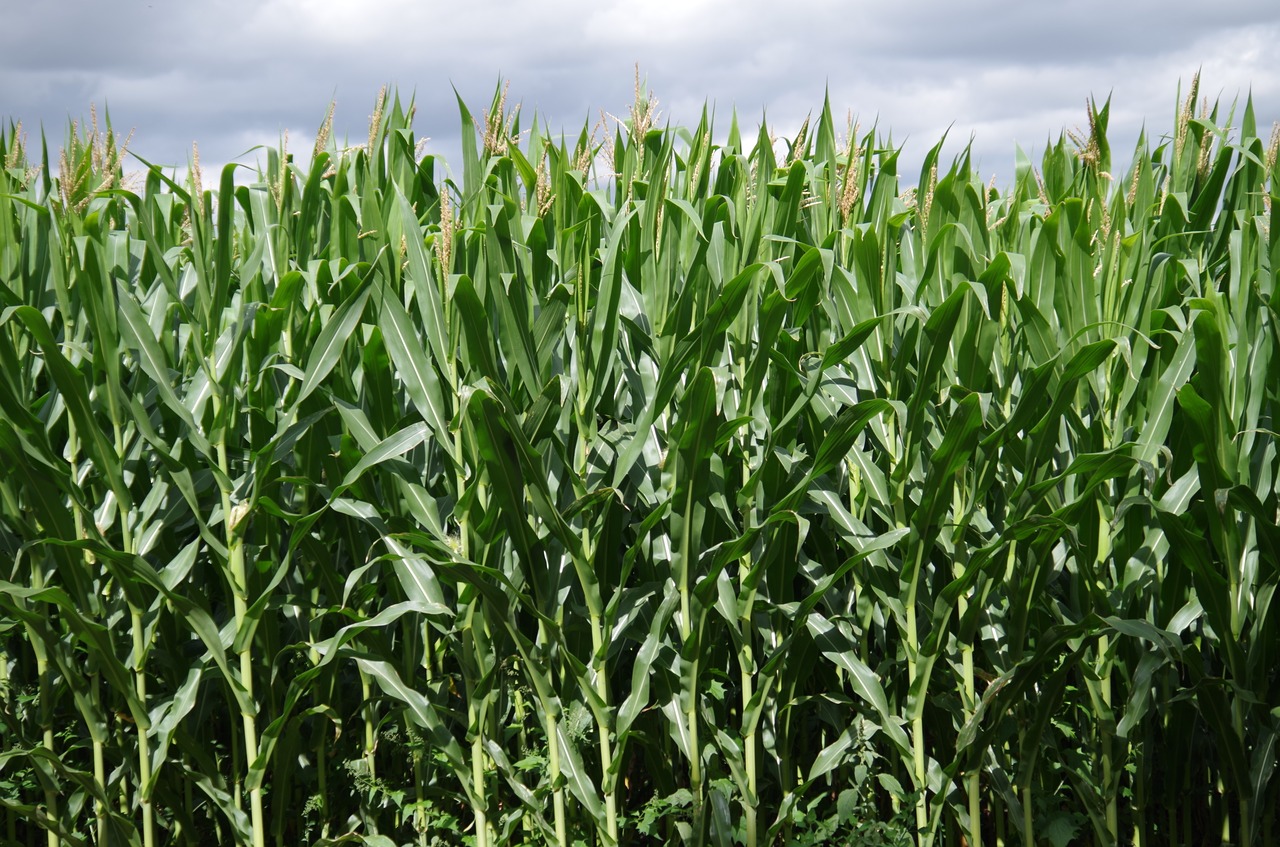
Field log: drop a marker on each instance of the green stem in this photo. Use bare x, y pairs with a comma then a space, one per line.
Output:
1246, 831
99, 763
140, 688
419, 799
144, 739
553, 765
369, 744
1105, 741
477, 774
419, 770
551, 709
1028, 829
1221, 795
970, 694
602, 727
46, 709
240, 607
520, 713
747, 664
695, 757
322, 758
99, 766
46, 705
322, 779
599, 655
480, 806
686, 632
970, 706
1104, 660
918, 772
247, 716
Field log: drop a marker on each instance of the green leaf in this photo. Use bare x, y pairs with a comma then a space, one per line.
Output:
419, 377
333, 338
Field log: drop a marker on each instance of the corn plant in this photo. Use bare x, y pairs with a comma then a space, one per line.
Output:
650, 485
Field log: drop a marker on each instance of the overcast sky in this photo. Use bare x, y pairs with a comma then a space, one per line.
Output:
231, 74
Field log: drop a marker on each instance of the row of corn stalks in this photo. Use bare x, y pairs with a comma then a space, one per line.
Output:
661, 485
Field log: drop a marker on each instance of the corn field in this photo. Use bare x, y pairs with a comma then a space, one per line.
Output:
654, 486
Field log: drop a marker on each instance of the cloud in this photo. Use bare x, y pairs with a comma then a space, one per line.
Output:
233, 73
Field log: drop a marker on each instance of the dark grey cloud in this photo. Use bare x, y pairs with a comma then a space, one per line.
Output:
1079, 32
232, 74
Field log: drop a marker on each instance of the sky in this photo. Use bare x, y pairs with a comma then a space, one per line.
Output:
234, 74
